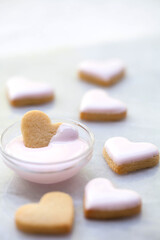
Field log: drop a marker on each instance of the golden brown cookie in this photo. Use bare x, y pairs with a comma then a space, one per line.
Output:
124, 156
103, 73
103, 201
54, 214
37, 129
22, 92
31, 101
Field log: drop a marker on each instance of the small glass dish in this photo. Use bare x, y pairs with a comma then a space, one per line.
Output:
47, 173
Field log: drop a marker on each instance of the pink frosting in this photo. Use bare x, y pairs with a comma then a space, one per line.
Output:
97, 101
65, 145
105, 70
101, 195
122, 151
65, 133
19, 87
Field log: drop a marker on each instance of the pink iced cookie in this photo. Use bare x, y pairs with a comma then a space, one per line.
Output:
124, 156
96, 105
103, 201
104, 73
21, 92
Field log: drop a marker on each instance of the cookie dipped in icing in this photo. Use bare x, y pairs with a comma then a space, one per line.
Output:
124, 156
44, 141
37, 129
103, 201
104, 73
58, 150
22, 92
96, 105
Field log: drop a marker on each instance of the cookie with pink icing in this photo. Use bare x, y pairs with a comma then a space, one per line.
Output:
104, 73
103, 201
124, 156
21, 92
97, 105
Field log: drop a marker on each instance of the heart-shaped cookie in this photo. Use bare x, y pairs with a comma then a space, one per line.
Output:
96, 105
103, 201
37, 129
23, 92
124, 156
54, 214
104, 73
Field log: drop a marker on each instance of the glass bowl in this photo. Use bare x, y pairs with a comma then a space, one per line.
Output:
47, 173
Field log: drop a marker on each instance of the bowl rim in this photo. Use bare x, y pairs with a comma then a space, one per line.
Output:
11, 158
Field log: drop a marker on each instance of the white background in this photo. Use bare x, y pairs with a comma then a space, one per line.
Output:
36, 25
45, 40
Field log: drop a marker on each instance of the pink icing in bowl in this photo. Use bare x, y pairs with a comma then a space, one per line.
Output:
42, 171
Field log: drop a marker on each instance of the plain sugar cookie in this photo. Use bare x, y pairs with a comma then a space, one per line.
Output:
21, 92
124, 156
104, 73
37, 129
96, 105
103, 201
54, 214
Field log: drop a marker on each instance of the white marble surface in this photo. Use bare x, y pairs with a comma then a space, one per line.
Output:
140, 90
126, 29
